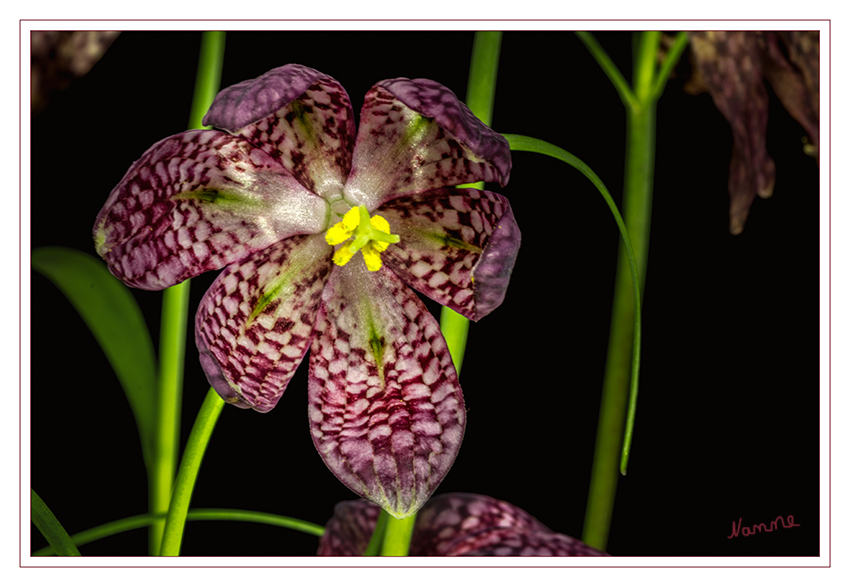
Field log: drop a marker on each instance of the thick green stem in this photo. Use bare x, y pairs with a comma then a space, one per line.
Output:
397, 536
637, 210
175, 311
184, 485
172, 353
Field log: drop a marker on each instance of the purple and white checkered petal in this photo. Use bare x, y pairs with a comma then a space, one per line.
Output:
198, 201
255, 323
453, 517
348, 532
458, 247
513, 542
386, 409
415, 135
299, 116
453, 524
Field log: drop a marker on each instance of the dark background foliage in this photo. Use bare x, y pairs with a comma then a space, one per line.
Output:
728, 418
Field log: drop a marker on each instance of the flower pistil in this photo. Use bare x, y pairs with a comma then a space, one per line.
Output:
370, 235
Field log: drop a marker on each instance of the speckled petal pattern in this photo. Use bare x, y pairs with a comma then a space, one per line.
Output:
386, 410
415, 135
458, 247
297, 115
348, 532
255, 323
453, 524
195, 202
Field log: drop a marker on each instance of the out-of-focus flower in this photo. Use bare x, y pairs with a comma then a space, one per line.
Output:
732, 67
59, 57
454, 524
283, 197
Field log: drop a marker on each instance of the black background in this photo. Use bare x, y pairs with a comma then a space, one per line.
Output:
727, 424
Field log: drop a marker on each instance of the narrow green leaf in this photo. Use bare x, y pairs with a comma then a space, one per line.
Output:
523, 143
111, 313
51, 529
216, 514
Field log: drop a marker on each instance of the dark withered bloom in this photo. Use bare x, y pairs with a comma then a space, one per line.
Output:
733, 66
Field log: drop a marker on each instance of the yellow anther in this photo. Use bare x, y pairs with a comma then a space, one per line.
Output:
372, 255
370, 235
342, 230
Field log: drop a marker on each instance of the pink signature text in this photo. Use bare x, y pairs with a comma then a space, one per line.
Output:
787, 522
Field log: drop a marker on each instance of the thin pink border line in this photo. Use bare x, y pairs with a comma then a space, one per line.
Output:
829, 311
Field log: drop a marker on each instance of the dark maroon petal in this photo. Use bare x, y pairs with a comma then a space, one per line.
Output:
299, 116
386, 410
415, 135
453, 517
512, 542
458, 247
454, 524
795, 79
198, 201
348, 532
255, 323
730, 67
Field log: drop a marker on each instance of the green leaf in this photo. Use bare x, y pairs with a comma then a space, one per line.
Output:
51, 529
111, 313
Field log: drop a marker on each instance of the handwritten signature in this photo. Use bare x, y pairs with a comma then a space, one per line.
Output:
787, 522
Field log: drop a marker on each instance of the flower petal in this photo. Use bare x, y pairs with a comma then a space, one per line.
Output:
195, 202
510, 542
730, 67
458, 247
298, 115
255, 323
466, 524
453, 524
348, 532
386, 410
415, 135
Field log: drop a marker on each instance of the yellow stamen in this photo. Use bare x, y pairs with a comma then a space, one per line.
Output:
342, 230
370, 235
372, 256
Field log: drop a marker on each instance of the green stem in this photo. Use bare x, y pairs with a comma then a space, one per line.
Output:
617, 408
521, 143
397, 536
607, 66
175, 311
377, 540
195, 515
51, 529
188, 473
172, 351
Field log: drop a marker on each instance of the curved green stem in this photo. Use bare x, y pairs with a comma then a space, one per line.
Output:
195, 515
673, 55
51, 529
601, 57
628, 262
175, 311
184, 485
